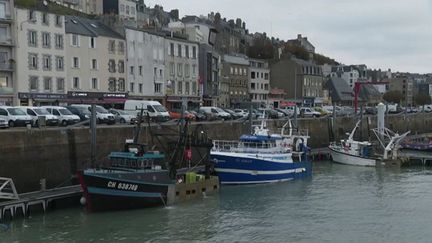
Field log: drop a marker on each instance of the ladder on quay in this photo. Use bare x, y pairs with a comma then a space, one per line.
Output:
12, 203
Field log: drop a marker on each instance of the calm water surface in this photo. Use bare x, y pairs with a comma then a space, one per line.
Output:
338, 204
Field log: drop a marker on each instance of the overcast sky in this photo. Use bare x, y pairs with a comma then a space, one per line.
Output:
384, 34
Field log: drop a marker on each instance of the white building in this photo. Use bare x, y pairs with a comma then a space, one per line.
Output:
145, 64
7, 57
95, 57
347, 73
40, 57
259, 80
181, 73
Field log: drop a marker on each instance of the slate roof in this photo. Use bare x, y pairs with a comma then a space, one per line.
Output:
339, 90
88, 27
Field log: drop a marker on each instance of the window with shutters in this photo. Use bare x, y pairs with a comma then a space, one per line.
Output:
33, 83
33, 61
47, 84
60, 84
32, 38
121, 66
111, 66
46, 60
59, 63
121, 85
58, 41
112, 84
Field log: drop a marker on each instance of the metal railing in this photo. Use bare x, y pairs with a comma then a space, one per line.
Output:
248, 147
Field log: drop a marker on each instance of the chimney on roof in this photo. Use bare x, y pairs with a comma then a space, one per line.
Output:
299, 36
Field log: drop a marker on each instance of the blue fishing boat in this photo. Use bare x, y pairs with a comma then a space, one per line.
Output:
262, 157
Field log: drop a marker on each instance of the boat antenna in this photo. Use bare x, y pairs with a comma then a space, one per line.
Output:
93, 135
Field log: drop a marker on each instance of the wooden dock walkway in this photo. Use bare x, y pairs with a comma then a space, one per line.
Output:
42, 199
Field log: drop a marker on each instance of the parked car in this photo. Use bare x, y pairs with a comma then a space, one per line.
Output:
269, 113
82, 112
65, 116
242, 112
15, 116
233, 114
178, 115
218, 112
3, 123
153, 109
37, 113
286, 113
122, 116
322, 111
291, 109
102, 115
309, 112
199, 116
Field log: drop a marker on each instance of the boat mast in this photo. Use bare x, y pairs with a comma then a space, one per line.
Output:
93, 135
138, 126
351, 136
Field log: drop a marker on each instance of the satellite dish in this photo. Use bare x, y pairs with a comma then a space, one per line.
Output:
45, 3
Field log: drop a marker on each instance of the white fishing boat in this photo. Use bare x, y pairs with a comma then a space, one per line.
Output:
352, 152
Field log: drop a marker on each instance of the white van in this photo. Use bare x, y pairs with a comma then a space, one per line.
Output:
36, 112
64, 116
218, 112
102, 115
15, 116
155, 110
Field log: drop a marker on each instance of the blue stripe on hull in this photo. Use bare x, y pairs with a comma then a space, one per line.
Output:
231, 162
121, 193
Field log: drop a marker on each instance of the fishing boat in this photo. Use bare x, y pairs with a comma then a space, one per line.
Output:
138, 177
352, 152
262, 157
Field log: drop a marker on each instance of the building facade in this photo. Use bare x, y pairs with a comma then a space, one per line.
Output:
145, 64
95, 58
40, 57
405, 85
236, 71
302, 81
181, 74
7, 55
259, 75
347, 73
125, 9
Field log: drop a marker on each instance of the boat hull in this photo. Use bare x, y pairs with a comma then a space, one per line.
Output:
120, 191
348, 159
245, 169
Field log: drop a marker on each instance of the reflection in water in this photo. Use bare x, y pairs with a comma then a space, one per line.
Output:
338, 204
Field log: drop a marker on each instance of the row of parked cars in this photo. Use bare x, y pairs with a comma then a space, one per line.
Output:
60, 116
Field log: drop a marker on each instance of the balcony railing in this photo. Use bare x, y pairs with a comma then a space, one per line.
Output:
7, 66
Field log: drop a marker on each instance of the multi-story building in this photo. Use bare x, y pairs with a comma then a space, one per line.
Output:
236, 71
348, 73
7, 57
125, 9
181, 73
146, 64
95, 58
209, 73
302, 81
40, 57
259, 75
405, 85
201, 31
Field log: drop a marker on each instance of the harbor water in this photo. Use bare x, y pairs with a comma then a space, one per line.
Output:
338, 204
